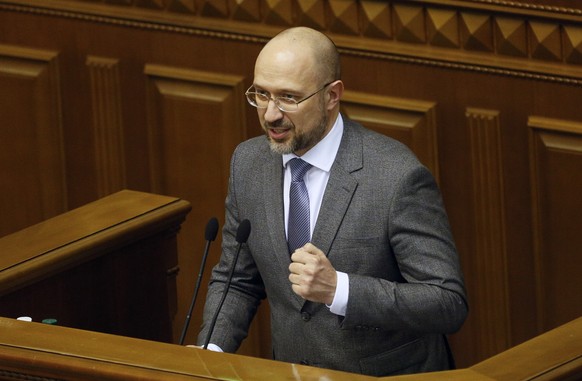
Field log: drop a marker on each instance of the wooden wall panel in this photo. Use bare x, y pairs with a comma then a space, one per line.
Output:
413, 122
195, 120
556, 180
32, 178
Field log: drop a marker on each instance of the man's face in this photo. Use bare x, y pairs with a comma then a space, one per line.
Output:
288, 74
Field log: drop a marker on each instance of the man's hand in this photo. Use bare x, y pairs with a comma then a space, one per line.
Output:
311, 275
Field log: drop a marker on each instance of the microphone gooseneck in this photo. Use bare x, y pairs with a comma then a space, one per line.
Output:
242, 235
209, 235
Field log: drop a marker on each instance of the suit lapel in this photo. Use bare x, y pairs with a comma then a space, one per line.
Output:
273, 196
338, 194
340, 189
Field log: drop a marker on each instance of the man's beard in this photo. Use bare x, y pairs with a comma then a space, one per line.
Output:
298, 141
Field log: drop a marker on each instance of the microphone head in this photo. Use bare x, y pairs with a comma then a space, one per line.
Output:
243, 231
211, 229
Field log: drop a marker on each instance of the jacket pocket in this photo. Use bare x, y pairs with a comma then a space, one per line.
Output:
358, 243
405, 359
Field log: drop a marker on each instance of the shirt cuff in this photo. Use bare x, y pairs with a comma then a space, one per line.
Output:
339, 305
214, 348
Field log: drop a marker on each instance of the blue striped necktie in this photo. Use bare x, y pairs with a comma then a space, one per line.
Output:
298, 232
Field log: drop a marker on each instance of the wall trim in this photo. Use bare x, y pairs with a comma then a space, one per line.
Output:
553, 66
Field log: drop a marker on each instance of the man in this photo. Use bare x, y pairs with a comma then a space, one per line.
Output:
378, 284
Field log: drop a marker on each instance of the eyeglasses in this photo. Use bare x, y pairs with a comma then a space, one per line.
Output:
283, 103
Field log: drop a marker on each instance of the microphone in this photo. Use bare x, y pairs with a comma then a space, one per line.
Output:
242, 234
209, 236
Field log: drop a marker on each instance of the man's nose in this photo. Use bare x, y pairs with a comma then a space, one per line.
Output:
272, 113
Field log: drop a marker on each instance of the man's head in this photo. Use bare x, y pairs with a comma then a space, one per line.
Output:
295, 64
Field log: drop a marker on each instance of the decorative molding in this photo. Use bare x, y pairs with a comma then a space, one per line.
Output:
493, 37
343, 16
311, 13
476, 31
278, 12
107, 124
409, 23
490, 241
412, 122
511, 36
443, 28
376, 20
537, 7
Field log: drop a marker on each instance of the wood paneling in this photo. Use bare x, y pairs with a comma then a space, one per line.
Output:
150, 94
195, 120
489, 262
413, 122
107, 124
32, 178
556, 181
193, 116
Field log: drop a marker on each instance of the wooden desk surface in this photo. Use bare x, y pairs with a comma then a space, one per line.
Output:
38, 251
51, 351
81, 355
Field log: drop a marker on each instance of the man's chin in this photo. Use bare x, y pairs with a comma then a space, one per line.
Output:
281, 148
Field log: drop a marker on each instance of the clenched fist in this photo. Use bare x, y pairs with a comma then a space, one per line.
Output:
311, 275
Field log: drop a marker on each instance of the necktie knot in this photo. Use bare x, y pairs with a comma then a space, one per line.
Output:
298, 169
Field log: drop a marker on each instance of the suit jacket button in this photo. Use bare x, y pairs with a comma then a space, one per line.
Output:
305, 316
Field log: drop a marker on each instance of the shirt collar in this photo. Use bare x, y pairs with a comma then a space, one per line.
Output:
322, 155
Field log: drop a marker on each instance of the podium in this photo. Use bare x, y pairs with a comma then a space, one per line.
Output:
35, 351
108, 266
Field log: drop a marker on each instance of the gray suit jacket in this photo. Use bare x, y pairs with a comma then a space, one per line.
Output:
382, 221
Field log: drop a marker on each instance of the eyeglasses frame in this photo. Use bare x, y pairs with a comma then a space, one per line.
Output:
276, 101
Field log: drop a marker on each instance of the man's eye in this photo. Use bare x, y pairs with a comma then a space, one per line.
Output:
287, 98
263, 92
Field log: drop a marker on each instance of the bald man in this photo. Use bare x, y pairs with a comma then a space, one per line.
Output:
377, 284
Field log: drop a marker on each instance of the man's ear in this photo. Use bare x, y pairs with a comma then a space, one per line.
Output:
336, 90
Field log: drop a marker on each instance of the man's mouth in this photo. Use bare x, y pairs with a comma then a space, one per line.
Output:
278, 133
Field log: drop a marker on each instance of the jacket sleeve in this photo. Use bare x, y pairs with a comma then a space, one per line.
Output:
429, 295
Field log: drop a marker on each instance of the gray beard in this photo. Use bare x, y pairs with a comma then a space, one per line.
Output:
302, 141
282, 148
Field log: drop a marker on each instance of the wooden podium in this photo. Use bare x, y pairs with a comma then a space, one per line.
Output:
35, 351
108, 266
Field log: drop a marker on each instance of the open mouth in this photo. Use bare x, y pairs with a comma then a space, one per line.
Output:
278, 133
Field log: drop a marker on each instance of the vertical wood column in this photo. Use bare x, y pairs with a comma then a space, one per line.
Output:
107, 124
489, 262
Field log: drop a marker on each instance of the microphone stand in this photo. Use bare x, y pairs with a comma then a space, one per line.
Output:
242, 234
210, 235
